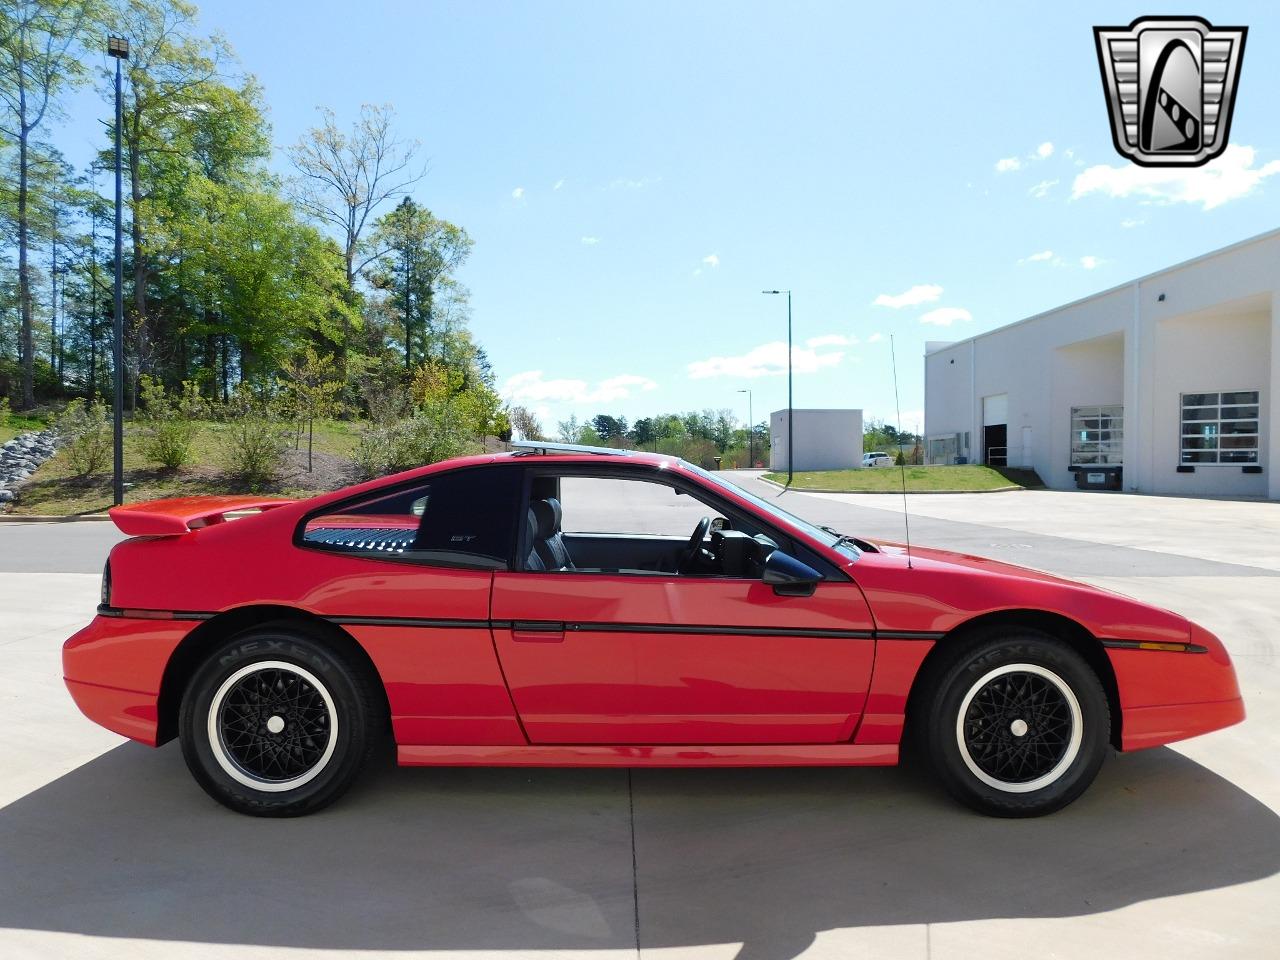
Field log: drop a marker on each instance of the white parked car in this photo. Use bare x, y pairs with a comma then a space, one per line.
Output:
877, 459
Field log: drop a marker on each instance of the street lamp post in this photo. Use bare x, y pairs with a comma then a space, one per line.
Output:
751, 432
791, 414
119, 48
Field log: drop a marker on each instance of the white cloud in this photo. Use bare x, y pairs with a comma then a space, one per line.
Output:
1008, 165
768, 359
875, 338
945, 316
831, 340
558, 184
920, 293
1089, 262
711, 260
590, 241
1230, 177
517, 193
620, 387
1045, 150
1130, 223
1041, 189
1040, 257
532, 387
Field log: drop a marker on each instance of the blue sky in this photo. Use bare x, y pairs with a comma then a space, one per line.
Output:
634, 174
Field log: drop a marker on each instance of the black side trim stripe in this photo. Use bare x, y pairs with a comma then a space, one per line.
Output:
138, 613
1159, 646
557, 626
696, 629
712, 629
410, 622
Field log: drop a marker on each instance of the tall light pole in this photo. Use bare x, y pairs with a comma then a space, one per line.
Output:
119, 48
791, 414
751, 432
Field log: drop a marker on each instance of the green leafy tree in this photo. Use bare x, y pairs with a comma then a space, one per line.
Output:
525, 423
570, 430
347, 175
415, 252
37, 63
314, 385
877, 436
608, 428
174, 107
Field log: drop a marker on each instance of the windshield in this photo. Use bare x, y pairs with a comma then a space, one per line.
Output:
824, 535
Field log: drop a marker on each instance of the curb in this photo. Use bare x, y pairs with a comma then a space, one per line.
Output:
884, 493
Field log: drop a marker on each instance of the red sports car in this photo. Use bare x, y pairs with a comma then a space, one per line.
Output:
563, 606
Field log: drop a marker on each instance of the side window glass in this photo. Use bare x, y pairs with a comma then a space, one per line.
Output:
462, 518
627, 506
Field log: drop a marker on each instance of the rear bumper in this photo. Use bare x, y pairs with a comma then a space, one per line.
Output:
130, 713
114, 670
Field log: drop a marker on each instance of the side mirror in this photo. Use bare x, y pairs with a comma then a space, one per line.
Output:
788, 576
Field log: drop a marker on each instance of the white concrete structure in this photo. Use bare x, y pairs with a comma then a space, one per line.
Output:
825, 439
1171, 377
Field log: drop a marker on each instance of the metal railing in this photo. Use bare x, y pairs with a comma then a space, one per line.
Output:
997, 456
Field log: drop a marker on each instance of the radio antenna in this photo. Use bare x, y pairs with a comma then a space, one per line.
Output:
902, 461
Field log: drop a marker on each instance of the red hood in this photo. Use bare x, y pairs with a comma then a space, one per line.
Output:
944, 589
955, 559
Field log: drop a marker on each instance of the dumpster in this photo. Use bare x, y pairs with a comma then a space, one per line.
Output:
1099, 478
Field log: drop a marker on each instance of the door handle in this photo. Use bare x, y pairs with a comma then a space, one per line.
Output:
537, 631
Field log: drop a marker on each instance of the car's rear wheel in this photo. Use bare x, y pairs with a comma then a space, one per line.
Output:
1016, 723
277, 723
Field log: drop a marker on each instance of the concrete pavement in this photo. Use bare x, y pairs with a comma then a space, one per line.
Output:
110, 850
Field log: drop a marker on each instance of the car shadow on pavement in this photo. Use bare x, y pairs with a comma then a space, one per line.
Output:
492, 859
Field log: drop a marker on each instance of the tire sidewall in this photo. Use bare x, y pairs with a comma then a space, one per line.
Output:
968, 668
289, 646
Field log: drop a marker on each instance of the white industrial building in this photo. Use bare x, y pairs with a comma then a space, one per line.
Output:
1163, 385
824, 439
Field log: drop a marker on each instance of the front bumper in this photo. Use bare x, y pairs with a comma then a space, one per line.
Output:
1166, 697
114, 670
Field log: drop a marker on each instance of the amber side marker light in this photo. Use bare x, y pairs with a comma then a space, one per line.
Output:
1159, 646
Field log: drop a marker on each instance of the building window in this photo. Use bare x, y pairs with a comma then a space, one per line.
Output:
1097, 436
1220, 427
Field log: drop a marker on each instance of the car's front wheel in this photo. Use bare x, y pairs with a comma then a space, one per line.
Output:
276, 723
1016, 723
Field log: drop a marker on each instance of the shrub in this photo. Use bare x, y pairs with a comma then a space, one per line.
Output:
375, 453
6, 411
253, 444
85, 435
426, 437
170, 426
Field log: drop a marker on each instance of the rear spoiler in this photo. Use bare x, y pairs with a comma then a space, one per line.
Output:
169, 518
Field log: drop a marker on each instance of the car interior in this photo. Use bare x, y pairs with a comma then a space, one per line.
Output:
717, 546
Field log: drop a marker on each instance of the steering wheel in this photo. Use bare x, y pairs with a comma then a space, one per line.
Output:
694, 545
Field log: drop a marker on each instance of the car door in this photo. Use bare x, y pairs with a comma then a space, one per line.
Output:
655, 657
